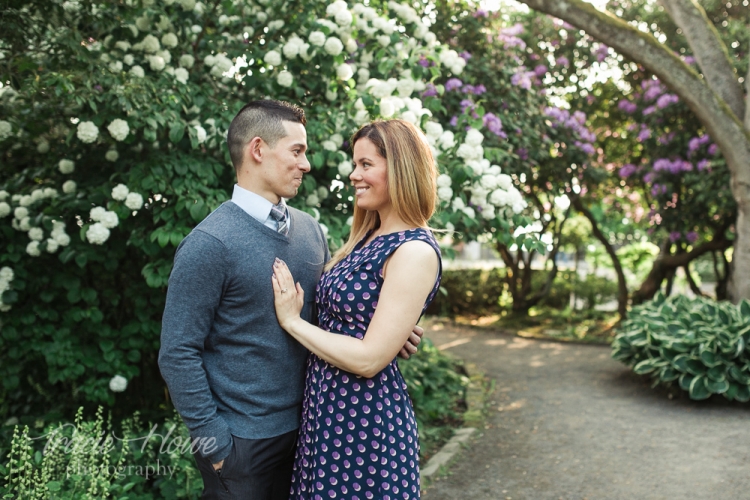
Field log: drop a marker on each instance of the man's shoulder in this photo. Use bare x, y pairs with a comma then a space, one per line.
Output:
220, 223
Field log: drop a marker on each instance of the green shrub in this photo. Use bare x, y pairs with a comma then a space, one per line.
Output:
469, 291
700, 343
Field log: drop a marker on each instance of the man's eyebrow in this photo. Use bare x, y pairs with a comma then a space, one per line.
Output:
298, 145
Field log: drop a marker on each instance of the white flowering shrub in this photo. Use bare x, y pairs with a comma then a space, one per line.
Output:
113, 133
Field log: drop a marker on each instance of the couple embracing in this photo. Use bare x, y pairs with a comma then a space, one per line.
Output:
285, 356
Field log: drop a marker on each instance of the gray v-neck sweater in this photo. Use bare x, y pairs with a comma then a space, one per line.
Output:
230, 368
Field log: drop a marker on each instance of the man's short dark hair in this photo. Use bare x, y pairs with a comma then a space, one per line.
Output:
262, 118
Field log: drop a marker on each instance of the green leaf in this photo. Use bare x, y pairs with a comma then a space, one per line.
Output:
710, 359
738, 375
717, 373
698, 389
54, 486
176, 132
197, 210
644, 367
717, 387
743, 394
680, 362
744, 307
685, 381
695, 366
668, 374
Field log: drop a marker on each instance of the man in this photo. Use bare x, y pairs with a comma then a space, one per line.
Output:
234, 375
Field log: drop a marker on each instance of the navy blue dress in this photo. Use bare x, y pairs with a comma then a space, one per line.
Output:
358, 437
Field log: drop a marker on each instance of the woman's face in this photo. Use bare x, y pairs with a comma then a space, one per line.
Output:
369, 178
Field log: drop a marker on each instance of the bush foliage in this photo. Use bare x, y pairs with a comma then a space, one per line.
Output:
699, 343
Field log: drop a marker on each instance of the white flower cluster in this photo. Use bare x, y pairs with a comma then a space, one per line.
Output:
118, 383
401, 106
4, 205
451, 60
134, 201
218, 63
339, 11
66, 166
6, 130
87, 132
295, 46
6, 276
118, 129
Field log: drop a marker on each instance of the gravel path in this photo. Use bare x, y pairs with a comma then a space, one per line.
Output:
568, 422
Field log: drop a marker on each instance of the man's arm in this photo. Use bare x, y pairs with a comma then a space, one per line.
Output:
194, 294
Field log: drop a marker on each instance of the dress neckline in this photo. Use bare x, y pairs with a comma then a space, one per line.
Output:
361, 245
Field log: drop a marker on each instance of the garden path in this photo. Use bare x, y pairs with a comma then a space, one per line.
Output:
568, 422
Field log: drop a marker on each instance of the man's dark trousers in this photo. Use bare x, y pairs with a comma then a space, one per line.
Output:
256, 469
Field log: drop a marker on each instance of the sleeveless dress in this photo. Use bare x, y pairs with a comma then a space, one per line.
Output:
358, 436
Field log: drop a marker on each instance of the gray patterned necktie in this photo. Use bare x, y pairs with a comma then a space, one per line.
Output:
279, 214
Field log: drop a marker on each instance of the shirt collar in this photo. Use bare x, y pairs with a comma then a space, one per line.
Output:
254, 204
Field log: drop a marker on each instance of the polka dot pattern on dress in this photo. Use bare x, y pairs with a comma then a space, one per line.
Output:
358, 436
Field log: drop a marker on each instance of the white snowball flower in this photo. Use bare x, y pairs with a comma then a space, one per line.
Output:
120, 192
3, 195
363, 75
181, 75
20, 212
62, 239
187, 61
134, 201
322, 192
115, 66
338, 139
505, 181
50, 193
409, 116
344, 72
488, 212
118, 383
291, 48
169, 40
336, 7
87, 132
36, 195
494, 170
109, 219
97, 234
4, 209
166, 55
26, 200
467, 152
200, 134
6, 129
285, 79
137, 71
119, 129
331, 95
52, 245
6, 274
458, 204
433, 129
276, 24
261, 16
150, 44
446, 140
474, 137
36, 233
430, 38
42, 147
312, 200
69, 187
128, 59
384, 40
33, 249
333, 46
123, 45
351, 45
317, 38
444, 180
344, 18
361, 117
272, 58
97, 213
303, 52
196, 28
249, 31
66, 166
445, 193
156, 63
499, 198
111, 155
329, 145
489, 181
24, 224
345, 168
469, 212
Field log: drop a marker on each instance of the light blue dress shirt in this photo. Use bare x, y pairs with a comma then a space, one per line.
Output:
256, 206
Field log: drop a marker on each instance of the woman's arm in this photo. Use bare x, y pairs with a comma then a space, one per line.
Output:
410, 277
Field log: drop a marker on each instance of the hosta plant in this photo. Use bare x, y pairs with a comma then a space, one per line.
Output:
698, 343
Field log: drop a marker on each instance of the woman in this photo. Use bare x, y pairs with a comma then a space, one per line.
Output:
358, 436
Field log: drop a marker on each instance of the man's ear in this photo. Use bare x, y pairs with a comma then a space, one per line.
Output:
254, 149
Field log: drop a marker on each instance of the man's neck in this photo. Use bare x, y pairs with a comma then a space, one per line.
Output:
249, 186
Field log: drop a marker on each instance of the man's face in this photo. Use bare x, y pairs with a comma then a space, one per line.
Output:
284, 165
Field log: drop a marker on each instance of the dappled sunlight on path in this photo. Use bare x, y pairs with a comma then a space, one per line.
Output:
567, 421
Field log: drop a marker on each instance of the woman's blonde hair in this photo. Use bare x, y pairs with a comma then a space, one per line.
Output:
411, 179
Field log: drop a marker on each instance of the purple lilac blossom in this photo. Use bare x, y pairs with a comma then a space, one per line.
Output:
665, 139
423, 61
562, 61
703, 164
658, 189
689, 60
649, 110
464, 55
653, 92
674, 236
522, 78
430, 91
523, 154
627, 170
649, 177
713, 149
454, 121
644, 134
601, 52
667, 99
465, 104
480, 13
694, 144
509, 36
453, 84
540, 70
627, 106
587, 148
494, 125
480, 89
691, 237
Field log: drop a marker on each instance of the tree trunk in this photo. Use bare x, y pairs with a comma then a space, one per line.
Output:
691, 282
622, 284
724, 126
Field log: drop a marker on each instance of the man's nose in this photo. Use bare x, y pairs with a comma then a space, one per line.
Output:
304, 165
